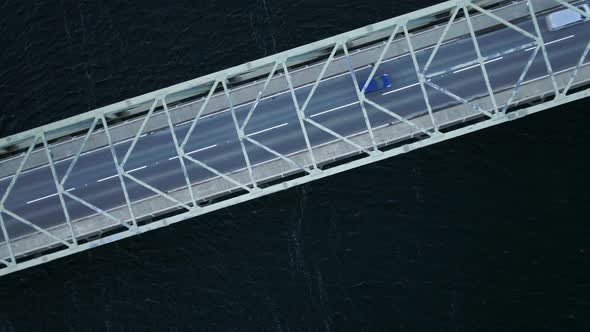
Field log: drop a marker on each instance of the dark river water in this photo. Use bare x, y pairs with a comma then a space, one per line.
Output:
486, 232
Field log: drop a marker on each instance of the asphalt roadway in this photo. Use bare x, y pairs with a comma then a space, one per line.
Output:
274, 123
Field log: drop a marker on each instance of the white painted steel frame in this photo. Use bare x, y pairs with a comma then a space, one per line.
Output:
432, 135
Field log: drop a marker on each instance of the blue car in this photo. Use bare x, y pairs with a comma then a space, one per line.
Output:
377, 83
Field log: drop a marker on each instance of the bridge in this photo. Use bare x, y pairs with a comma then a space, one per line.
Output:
284, 120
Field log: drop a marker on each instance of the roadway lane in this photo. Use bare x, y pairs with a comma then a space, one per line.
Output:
214, 142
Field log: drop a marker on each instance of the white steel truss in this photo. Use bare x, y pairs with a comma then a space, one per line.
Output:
282, 169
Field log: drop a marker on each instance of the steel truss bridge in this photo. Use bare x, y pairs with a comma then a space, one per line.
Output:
281, 121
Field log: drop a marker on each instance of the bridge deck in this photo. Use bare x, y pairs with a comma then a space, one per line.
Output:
214, 142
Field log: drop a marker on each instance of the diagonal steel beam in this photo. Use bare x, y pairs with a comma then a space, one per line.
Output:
139, 132
97, 209
179, 153
60, 189
19, 170
239, 133
62, 192
440, 40
77, 156
255, 104
300, 117
196, 119
7, 240
119, 170
421, 79
381, 56
213, 170
577, 70
541, 42
157, 191
319, 78
360, 97
503, 21
30, 224
13, 180
521, 79
335, 134
457, 98
398, 117
280, 155
480, 59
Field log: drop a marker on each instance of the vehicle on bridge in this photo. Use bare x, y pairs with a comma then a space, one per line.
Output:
565, 18
377, 83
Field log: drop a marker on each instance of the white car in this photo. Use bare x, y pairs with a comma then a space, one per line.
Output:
565, 17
